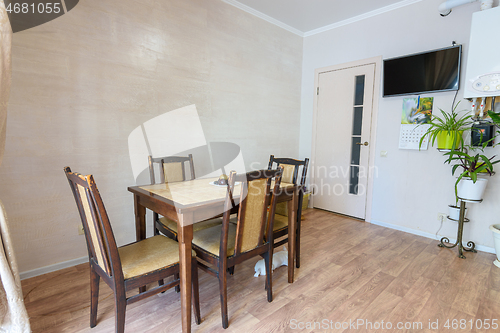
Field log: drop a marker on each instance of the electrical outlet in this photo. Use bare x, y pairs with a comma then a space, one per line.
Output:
80, 229
441, 217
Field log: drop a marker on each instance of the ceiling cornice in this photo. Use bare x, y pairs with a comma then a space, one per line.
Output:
325, 28
264, 16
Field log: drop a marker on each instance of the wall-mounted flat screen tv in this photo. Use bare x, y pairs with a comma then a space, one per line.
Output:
433, 71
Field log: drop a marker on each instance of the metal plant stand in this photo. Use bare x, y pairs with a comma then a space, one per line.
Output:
445, 242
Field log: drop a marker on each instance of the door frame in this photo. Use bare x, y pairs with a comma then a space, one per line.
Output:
377, 61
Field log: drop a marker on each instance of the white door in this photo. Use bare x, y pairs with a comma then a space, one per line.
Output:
341, 158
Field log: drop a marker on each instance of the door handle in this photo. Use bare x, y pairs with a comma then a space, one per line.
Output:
362, 144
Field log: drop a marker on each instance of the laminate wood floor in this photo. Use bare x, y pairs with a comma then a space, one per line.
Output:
354, 277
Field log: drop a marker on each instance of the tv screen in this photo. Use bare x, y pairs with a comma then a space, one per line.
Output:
432, 71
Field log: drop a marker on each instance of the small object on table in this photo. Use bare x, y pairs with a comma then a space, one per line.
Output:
222, 180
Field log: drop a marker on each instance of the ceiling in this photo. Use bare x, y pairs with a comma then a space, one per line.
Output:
307, 17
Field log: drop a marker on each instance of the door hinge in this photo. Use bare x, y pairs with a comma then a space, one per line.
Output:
317, 91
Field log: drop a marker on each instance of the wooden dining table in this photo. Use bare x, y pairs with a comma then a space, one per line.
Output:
194, 201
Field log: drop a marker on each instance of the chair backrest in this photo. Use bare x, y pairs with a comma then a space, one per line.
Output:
253, 218
101, 242
172, 168
290, 169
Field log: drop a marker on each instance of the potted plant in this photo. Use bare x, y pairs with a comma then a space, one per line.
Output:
447, 130
470, 187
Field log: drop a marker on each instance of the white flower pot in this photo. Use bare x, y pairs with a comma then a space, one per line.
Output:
469, 191
496, 237
454, 212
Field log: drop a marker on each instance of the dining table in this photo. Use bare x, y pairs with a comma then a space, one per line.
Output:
193, 201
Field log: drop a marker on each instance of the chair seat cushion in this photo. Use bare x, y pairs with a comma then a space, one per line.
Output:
280, 222
209, 239
148, 255
172, 225
282, 208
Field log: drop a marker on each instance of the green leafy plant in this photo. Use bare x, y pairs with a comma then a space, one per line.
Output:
453, 123
495, 117
471, 165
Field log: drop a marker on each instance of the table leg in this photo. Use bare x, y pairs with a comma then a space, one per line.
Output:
140, 219
185, 237
297, 238
140, 225
292, 227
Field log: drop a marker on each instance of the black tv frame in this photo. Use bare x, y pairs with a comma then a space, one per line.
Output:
459, 46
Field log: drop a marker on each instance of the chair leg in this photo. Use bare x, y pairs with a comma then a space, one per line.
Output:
178, 287
94, 296
264, 256
231, 270
196, 291
297, 235
223, 296
120, 305
297, 245
269, 272
155, 220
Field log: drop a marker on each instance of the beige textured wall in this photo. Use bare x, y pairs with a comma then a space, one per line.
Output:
83, 82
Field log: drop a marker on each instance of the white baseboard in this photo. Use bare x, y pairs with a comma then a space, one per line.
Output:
53, 268
427, 235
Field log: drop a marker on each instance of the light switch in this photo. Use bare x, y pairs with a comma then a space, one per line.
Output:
383, 153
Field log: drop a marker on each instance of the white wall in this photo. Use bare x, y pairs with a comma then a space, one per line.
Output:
83, 82
411, 186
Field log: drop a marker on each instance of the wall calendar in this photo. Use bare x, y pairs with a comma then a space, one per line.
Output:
415, 119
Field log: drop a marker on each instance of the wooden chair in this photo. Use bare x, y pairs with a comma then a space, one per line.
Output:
172, 169
127, 267
229, 244
290, 175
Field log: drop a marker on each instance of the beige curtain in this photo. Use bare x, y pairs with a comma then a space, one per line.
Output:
13, 315
5, 72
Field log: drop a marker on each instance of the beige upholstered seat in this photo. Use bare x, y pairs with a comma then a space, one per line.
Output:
149, 255
128, 267
290, 176
243, 237
280, 222
209, 239
172, 169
